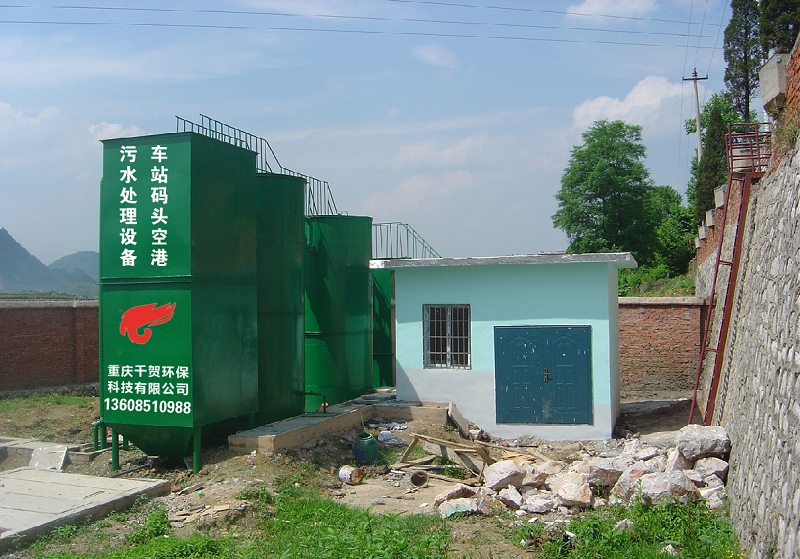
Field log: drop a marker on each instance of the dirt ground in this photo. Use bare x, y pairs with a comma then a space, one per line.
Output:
209, 499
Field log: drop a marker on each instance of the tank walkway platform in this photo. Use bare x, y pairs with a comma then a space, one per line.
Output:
295, 431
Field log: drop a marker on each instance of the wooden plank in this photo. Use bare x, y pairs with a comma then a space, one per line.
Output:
457, 455
414, 442
530, 452
459, 420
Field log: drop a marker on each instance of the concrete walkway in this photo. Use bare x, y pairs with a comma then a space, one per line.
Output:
33, 502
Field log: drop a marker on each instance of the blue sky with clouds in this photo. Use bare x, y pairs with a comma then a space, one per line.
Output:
457, 117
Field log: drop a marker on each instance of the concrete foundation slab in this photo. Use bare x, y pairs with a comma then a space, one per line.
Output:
49, 458
295, 431
33, 502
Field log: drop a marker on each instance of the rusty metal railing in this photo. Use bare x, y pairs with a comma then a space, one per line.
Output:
748, 147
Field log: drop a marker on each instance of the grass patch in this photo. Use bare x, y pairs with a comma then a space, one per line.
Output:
692, 530
155, 525
11, 405
654, 282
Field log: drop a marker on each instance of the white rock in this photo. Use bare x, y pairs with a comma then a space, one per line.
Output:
603, 472
712, 481
698, 441
696, 477
677, 461
538, 503
457, 491
502, 474
662, 485
572, 489
533, 477
624, 525
669, 550
714, 497
551, 467
510, 497
646, 453
712, 466
469, 506
623, 490
631, 447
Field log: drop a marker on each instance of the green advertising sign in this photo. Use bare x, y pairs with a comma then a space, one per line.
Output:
146, 364
145, 207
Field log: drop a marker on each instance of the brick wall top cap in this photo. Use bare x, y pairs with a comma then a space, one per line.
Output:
48, 304
684, 301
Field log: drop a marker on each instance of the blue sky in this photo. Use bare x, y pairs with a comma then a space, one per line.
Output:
457, 117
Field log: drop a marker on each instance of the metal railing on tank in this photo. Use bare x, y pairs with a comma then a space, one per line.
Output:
319, 198
399, 240
227, 133
748, 147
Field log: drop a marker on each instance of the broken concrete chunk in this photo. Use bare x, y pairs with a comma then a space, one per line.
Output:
698, 441
463, 505
631, 447
502, 474
49, 458
457, 491
677, 461
663, 485
712, 466
510, 497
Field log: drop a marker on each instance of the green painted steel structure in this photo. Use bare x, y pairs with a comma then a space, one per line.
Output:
338, 319
383, 358
281, 248
178, 316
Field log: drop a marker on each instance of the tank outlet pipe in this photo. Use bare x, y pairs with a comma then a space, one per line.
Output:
324, 401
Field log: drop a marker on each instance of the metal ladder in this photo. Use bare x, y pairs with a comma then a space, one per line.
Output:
748, 154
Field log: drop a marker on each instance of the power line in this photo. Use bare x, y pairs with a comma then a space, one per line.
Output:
357, 18
533, 10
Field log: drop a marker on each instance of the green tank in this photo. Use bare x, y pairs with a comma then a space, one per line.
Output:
178, 316
338, 320
280, 247
383, 328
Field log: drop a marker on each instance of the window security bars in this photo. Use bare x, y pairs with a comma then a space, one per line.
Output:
447, 336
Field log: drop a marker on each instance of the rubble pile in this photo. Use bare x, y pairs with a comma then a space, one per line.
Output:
690, 467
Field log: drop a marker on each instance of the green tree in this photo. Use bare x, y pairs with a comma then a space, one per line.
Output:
742, 51
675, 230
603, 200
712, 171
778, 25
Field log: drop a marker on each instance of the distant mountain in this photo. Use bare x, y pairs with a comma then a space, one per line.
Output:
87, 261
21, 271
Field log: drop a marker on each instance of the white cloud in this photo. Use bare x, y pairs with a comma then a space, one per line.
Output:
645, 104
620, 8
433, 152
436, 55
420, 195
106, 130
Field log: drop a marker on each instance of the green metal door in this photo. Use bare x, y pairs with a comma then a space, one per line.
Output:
543, 374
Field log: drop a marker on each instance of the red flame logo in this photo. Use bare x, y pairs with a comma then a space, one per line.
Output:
144, 316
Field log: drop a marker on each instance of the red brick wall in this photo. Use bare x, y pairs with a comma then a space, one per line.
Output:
44, 343
51, 344
659, 346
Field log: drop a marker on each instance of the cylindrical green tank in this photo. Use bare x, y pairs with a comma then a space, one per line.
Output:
338, 320
383, 359
280, 249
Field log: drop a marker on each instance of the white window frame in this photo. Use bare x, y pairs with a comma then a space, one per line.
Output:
448, 344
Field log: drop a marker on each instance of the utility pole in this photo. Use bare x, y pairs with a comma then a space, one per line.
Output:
695, 79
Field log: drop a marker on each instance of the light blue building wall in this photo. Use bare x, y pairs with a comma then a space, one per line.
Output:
541, 290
